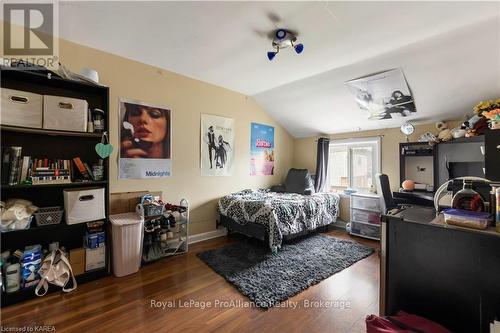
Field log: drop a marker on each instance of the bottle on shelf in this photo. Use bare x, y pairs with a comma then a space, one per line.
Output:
468, 199
13, 277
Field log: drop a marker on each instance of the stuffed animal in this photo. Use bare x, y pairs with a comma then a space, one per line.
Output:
458, 132
493, 117
479, 128
470, 122
444, 132
427, 137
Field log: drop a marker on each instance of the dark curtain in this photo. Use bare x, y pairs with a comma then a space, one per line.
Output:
322, 164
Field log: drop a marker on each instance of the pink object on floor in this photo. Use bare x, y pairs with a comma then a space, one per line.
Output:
376, 324
402, 323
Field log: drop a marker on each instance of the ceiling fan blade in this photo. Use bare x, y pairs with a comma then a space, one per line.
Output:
273, 17
260, 33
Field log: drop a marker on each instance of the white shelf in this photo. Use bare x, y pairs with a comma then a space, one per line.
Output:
179, 243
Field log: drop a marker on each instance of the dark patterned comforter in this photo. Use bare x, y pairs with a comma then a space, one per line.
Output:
281, 213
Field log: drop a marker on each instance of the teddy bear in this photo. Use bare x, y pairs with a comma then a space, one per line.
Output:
444, 132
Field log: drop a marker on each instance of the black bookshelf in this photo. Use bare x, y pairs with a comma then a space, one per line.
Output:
52, 144
416, 149
72, 184
48, 132
440, 153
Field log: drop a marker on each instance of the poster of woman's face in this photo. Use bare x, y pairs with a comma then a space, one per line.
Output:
145, 140
384, 95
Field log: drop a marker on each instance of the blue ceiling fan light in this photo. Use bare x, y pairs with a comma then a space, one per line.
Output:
271, 55
282, 39
280, 33
299, 48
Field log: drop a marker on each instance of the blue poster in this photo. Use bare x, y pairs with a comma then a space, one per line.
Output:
261, 150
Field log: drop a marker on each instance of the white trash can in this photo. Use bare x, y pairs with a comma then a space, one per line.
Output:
126, 230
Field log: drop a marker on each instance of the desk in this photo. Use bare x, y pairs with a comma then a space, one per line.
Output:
421, 198
445, 273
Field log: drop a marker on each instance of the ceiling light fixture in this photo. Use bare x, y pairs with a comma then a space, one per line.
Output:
283, 39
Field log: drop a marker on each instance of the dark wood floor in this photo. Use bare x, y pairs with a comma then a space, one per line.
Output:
124, 304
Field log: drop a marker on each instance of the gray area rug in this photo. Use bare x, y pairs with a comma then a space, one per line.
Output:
268, 279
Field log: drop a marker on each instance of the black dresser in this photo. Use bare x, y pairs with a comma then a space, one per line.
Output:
448, 274
492, 155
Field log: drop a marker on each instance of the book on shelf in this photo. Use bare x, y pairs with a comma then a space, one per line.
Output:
5, 164
50, 176
50, 173
81, 168
89, 171
43, 171
50, 180
25, 169
15, 165
18, 169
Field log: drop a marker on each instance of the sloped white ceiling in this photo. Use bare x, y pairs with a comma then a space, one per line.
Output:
448, 74
449, 51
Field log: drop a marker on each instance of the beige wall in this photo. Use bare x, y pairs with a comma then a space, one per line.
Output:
187, 98
304, 155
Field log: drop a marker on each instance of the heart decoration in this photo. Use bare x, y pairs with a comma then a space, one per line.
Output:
103, 150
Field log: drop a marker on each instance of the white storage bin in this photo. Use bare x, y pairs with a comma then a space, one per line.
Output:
21, 108
64, 113
367, 202
84, 205
365, 216
126, 230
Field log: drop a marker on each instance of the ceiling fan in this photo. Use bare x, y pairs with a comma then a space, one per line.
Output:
282, 39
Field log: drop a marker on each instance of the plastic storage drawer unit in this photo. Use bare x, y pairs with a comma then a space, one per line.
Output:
365, 230
360, 215
365, 202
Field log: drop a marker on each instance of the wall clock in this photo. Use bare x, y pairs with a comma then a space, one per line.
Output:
407, 129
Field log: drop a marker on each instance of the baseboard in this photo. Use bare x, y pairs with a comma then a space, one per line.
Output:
339, 224
207, 235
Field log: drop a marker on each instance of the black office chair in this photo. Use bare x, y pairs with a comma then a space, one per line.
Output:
387, 200
405, 209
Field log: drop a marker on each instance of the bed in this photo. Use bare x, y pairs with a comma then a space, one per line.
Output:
274, 216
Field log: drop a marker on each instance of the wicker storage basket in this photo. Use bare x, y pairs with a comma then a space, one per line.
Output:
153, 210
49, 215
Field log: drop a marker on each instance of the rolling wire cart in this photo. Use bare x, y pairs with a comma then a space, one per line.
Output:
166, 228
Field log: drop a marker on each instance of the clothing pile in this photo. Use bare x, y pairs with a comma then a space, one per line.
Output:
16, 214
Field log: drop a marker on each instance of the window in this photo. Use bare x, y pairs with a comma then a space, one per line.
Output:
354, 163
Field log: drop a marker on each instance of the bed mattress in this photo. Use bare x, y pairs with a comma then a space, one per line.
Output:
281, 214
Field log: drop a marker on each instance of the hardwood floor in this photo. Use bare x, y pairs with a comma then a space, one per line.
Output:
125, 304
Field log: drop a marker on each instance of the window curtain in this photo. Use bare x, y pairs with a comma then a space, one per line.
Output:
322, 164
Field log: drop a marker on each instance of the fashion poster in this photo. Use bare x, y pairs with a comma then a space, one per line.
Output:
261, 150
217, 145
384, 95
145, 140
